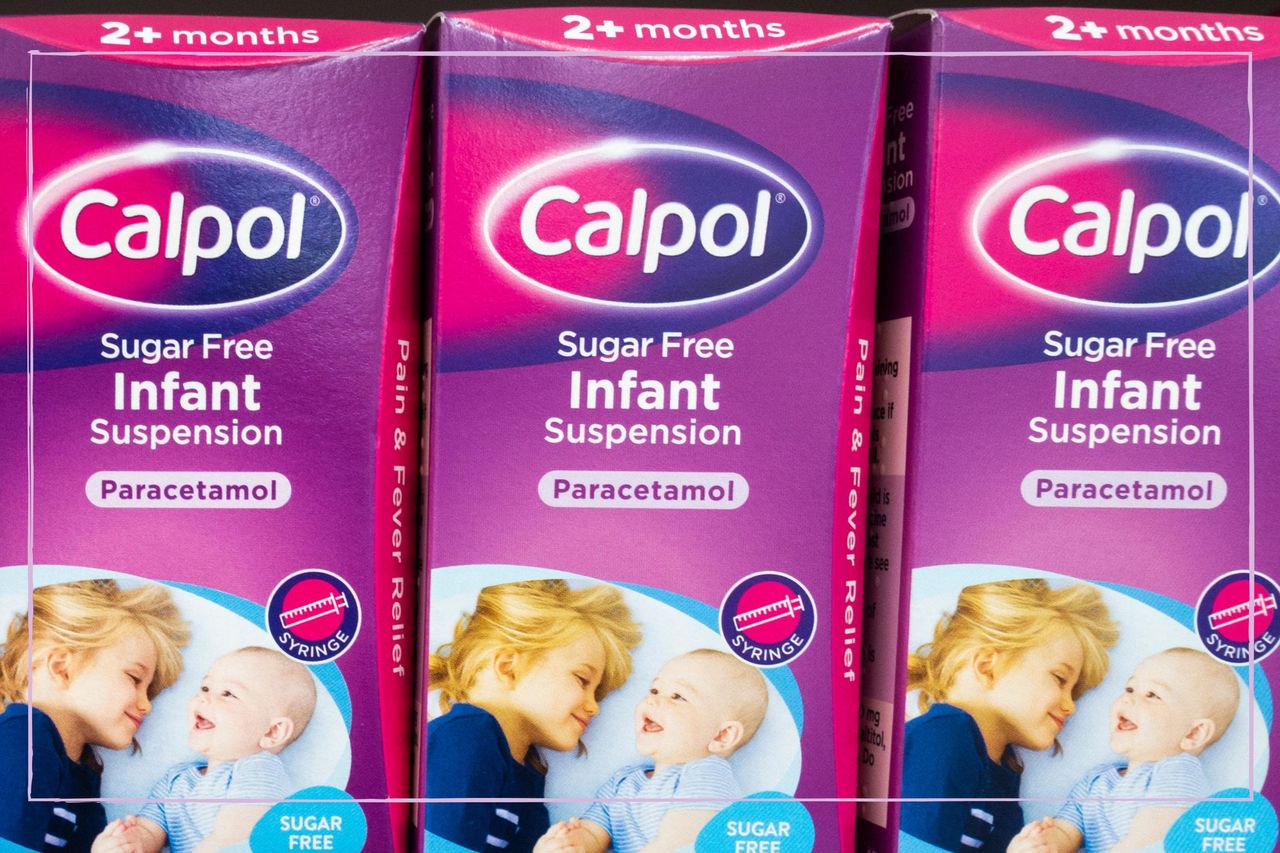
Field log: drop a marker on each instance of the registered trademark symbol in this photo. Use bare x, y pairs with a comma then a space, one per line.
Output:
780, 198
1262, 201
315, 201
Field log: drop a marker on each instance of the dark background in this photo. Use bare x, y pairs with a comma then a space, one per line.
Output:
421, 10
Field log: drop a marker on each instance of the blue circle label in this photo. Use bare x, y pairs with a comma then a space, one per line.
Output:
768, 619
768, 822
319, 818
313, 615
1236, 615
1247, 825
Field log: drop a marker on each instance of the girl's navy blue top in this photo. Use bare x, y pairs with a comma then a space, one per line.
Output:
945, 756
468, 756
45, 826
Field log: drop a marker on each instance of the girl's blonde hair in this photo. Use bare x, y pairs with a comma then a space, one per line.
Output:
85, 617
534, 617
1012, 616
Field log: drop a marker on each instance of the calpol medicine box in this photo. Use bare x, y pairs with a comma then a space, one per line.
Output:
654, 244
1075, 451
225, 317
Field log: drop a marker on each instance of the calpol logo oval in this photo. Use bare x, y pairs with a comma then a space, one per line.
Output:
1129, 225
650, 224
183, 227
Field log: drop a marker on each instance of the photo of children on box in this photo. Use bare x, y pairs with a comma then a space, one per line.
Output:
1007, 668
85, 668
526, 673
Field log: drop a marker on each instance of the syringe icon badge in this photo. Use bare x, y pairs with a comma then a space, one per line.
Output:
329, 605
786, 607
1262, 605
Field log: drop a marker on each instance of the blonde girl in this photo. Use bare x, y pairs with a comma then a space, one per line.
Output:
1004, 670
526, 669
97, 655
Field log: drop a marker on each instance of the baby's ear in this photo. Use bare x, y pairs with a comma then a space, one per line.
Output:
277, 736
1199, 736
727, 739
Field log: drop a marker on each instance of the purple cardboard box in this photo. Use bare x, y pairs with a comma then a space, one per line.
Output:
225, 320
1076, 459
649, 400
